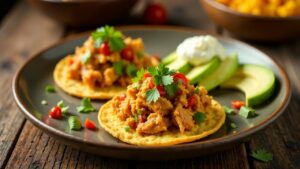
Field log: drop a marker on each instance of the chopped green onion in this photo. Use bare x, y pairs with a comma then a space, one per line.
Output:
199, 117
85, 106
247, 112
50, 89
127, 128
228, 110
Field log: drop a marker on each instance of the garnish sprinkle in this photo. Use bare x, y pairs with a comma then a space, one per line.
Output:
127, 128
118, 67
262, 155
86, 56
247, 112
131, 70
85, 106
197, 90
199, 117
109, 34
228, 110
152, 95
233, 125
74, 123
63, 107
139, 75
50, 89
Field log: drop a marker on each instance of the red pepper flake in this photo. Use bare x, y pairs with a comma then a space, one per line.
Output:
55, 112
89, 124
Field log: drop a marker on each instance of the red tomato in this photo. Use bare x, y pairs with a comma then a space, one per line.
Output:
104, 49
161, 90
151, 84
71, 61
142, 118
155, 13
192, 101
147, 74
180, 77
237, 104
127, 54
89, 124
55, 112
122, 97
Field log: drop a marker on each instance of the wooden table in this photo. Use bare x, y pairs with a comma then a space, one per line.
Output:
25, 31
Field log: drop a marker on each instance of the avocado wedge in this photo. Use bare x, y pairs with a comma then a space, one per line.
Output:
183, 66
225, 70
169, 59
202, 71
257, 82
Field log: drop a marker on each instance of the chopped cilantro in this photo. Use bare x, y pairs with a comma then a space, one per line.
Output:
74, 123
86, 56
228, 110
139, 75
140, 55
262, 155
50, 89
199, 117
109, 34
152, 70
131, 70
233, 125
118, 67
127, 128
171, 89
247, 112
63, 107
197, 90
152, 95
44, 102
167, 80
85, 106
136, 118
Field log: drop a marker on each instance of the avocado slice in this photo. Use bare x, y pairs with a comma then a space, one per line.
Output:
256, 81
183, 66
169, 59
225, 70
202, 71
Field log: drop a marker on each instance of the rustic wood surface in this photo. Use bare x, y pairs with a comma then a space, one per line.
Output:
25, 31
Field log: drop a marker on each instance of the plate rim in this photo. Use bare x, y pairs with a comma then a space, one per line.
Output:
234, 137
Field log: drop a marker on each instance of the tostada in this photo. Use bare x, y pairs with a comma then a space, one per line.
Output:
161, 108
103, 66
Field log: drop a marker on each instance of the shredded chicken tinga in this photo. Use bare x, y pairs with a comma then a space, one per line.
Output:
103, 66
161, 108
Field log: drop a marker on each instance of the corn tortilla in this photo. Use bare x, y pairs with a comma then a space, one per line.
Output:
78, 88
215, 118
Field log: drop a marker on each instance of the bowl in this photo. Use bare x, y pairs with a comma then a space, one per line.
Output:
85, 13
252, 27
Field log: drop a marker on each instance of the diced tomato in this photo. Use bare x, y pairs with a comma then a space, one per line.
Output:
147, 74
192, 101
104, 49
89, 124
180, 77
155, 13
161, 90
122, 97
71, 61
142, 118
55, 112
127, 54
237, 104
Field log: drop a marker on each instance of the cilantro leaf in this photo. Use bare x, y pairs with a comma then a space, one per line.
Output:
167, 80
247, 112
163, 70
233, 125
199, 117
118, 67
152, 70
63, 107
85, 106
86, 56
157, 80
50, 89
228, 110
152, 95
131, 70
197, 90
171, 89
139, 75
109, 34
262, 155
127, 128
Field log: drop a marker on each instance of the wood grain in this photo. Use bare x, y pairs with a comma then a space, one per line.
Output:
19, 38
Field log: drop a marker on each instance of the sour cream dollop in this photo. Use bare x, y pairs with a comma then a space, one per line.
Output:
200, 49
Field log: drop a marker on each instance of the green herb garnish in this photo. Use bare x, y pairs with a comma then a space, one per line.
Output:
85, 57
139, 75
74, 123
131, 70
228, 110
85, 106
136, 118
140, 55
247, 112
233, 125
44, 102
262, 155
63, 107
171, 89
152, 95
118, 67
197, 90
127, 128
109, 34
199, 117
50, 89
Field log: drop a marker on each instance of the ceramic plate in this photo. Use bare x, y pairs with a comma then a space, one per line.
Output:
30, 81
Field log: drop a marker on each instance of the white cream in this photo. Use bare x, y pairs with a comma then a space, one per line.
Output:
200, 49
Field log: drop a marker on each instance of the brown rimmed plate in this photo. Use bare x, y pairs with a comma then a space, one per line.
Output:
30, 81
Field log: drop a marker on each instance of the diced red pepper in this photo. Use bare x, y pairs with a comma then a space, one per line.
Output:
104, 49
89, 124
161, 90
180, 77
127, 54
55, 112
192, 101
237, 104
